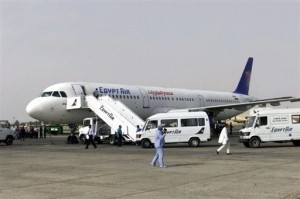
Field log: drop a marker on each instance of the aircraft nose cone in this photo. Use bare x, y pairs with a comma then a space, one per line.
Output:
32, 109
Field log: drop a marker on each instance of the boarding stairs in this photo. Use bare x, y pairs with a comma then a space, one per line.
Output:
115, 113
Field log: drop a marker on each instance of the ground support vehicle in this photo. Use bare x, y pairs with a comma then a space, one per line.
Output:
6, 133
182, 127
271, 125
101, 129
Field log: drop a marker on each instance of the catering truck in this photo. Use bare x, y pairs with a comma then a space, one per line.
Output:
271, 125
182, 127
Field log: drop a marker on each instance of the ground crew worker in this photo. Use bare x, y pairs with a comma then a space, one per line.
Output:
91, 134
119, 135
223, 139
159, 146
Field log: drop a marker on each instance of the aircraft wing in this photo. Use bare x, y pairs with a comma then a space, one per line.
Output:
245, 105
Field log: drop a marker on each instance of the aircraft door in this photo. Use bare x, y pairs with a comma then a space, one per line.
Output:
79, 89
145, 98
201, 100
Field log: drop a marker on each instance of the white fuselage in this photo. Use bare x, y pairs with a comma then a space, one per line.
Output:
144, 101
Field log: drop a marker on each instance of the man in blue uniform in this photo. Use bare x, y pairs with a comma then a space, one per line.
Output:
159, 146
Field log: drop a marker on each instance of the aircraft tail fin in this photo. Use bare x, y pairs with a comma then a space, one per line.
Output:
243, 86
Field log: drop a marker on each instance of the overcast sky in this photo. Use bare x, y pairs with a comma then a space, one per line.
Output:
200, 44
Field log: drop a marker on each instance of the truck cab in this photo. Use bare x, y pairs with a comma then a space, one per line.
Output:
101, 129
6, 133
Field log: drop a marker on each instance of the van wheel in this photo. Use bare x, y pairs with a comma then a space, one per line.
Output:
194, 142
146, 143
9, 141
296, 142
254, 142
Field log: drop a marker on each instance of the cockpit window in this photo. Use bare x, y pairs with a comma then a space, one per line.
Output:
46, 94
55, 94
63, 94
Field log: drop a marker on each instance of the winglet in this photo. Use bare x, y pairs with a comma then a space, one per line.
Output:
243, 86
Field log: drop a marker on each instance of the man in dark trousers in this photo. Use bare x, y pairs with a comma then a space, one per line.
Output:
119, 135
90, 139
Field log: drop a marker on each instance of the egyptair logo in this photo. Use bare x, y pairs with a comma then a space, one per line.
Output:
75, 102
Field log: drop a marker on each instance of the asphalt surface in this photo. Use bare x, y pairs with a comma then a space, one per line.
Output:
50, 168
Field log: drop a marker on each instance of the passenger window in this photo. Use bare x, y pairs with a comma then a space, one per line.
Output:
201, 121
296, 119
170, 123
189, 122
55, 94
63, 94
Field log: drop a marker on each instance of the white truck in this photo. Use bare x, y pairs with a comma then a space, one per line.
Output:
271, 125
182, 127
6, 133
102, 130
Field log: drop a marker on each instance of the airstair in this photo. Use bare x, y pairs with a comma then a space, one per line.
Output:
115, 113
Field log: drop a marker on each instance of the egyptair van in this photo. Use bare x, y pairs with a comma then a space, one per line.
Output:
182, 127
271, 125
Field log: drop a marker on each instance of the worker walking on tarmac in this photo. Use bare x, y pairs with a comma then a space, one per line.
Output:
91, 135
223, 139
159, 146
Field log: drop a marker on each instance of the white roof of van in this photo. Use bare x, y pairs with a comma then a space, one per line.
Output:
274, 111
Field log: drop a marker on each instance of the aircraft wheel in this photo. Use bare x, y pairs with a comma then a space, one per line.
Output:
254, 142
194, 142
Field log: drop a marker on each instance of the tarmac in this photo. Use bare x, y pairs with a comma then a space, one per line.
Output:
50, 168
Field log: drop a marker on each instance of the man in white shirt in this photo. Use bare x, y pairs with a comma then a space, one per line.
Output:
91, 134
223, 139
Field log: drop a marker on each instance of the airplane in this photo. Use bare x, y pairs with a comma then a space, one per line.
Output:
51, 105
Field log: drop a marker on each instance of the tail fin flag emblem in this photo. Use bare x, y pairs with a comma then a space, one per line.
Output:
243, 86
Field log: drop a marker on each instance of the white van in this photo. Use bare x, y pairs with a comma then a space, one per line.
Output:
185, 127
271, 125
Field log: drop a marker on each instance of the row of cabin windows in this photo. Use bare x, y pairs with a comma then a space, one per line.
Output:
121, 96
172, 123
151, 98
222, 100
172, 98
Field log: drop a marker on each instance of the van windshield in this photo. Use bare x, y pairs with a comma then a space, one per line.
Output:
250, 121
